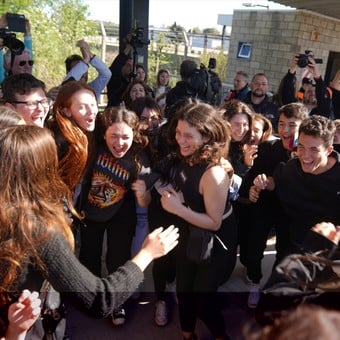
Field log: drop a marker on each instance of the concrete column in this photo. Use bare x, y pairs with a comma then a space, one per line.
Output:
133, 13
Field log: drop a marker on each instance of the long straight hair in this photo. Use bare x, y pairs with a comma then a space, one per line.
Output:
31, 196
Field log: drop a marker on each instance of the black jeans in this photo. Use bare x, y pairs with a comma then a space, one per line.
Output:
120, 230
197, 284
264, 218
164, 268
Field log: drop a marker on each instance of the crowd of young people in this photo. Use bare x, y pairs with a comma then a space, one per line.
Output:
213, 172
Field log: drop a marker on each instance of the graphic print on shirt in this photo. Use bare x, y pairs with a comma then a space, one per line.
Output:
108, 185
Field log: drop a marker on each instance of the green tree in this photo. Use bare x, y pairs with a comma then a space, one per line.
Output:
176, 35
158, 57
195, 30
212, 31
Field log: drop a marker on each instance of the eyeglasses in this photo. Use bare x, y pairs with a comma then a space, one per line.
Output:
33, 104
24, 62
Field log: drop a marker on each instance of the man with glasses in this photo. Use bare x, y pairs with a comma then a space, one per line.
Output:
27, 95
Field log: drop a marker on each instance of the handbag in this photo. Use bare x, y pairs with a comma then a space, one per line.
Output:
199, 245
52, 322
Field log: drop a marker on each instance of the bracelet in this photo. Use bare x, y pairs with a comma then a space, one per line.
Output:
92, 57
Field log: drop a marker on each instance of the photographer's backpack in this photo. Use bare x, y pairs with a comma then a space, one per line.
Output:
205, 84
214, 92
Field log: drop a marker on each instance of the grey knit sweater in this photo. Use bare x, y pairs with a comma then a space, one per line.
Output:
66, 274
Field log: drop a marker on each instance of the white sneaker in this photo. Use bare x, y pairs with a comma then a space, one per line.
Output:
161, 313
118, 316
254, 295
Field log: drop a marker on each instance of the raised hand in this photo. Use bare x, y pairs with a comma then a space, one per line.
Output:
156, 244
23, 314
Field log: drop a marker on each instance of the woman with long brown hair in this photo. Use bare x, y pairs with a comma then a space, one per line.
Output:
116, 180
36, 241
202, 177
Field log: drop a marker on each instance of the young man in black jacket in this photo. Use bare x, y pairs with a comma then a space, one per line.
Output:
265, 214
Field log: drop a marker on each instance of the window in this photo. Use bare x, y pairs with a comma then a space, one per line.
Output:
244, 50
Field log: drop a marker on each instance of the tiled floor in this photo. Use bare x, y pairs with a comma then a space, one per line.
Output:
140, 325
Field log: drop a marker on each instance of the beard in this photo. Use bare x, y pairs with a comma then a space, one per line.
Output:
258, 94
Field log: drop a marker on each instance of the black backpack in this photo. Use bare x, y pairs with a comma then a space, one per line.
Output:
205, 84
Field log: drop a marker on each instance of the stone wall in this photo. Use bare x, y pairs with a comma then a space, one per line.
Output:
275, 36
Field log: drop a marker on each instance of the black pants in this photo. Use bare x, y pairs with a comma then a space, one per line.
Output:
197, 284
264, 218
164, 268
120, 230
242, 215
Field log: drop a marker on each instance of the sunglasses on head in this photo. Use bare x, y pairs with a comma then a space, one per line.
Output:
23, 62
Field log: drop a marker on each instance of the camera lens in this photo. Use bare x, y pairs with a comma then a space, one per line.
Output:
302, 61
15, 45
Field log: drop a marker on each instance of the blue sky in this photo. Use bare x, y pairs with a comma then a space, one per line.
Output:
187, 13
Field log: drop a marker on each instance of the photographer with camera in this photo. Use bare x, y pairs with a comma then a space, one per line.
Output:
316, 98
124, 68
121, 69
19, 56
182, 88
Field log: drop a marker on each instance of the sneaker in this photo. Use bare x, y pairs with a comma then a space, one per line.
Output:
161, 313
254, 295
118, 316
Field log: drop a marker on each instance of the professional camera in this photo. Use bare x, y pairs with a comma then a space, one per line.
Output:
137, 39
10, 41
205, 84
303, 59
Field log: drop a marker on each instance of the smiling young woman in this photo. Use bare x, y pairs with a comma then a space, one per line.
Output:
75, 110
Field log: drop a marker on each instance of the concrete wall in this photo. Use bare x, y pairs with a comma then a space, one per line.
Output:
275, 37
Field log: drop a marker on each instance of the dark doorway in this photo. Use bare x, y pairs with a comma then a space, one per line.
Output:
333, 65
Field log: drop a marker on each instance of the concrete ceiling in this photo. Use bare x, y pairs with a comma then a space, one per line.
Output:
330, 8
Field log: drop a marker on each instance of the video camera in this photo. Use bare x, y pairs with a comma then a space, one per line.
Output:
206, 84
10, 41
303, 59
137, 39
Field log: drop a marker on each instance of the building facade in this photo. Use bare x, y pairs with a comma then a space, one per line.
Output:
265, 41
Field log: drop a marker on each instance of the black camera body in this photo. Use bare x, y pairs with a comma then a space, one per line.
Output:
303, 59
10, 41
137, 38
